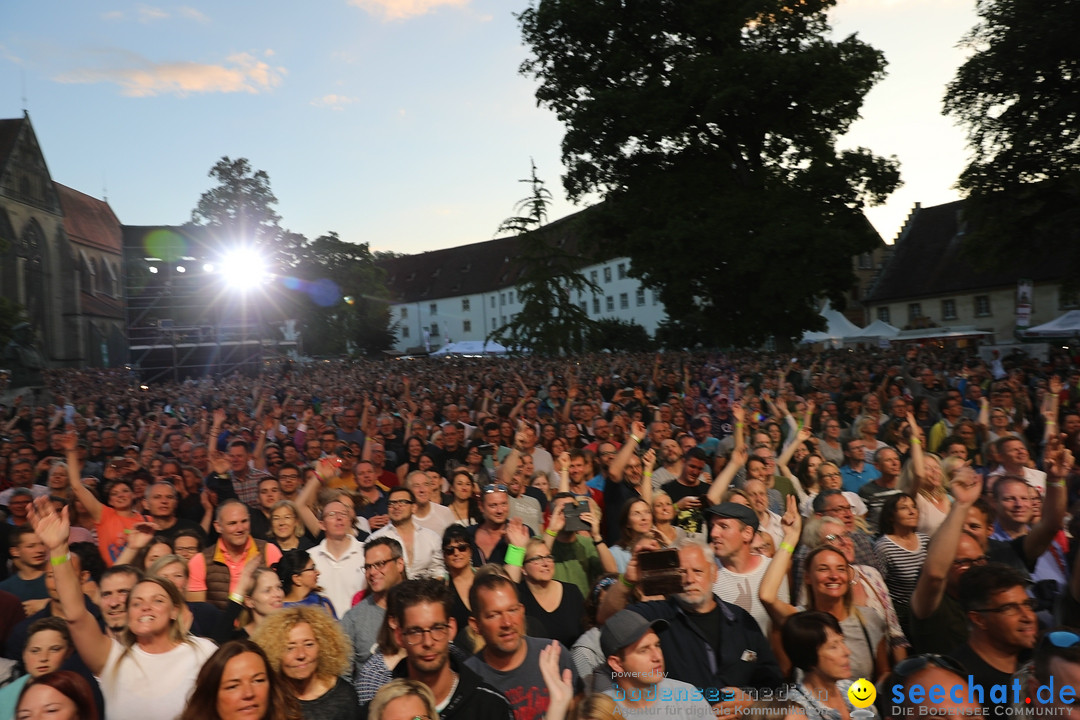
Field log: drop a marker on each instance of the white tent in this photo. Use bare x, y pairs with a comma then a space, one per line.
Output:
1066, 326
837, 327
877, 329
470, 347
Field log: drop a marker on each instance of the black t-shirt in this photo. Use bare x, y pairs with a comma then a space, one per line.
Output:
338, 703
709, 625
986, 675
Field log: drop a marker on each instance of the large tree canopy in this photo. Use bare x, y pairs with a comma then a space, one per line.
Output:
1018, 97
710, 129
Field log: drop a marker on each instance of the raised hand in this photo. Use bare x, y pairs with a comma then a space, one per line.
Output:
516, 533
965, 485
51, 527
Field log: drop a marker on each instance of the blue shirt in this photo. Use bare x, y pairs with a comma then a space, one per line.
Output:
855, 480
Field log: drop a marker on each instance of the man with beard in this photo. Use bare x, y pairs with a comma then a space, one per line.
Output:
709, 643
424, 628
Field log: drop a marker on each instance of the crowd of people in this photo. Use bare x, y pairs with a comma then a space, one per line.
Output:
508, 539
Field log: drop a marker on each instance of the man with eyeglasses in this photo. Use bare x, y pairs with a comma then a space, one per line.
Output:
422, 547
837, 504
424, 628
339, 557
1003, 626
383, 569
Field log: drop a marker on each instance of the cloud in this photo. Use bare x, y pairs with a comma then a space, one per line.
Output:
334, 102
113, 15
401, 9
9, 56
139, 77
192, 14
148, 14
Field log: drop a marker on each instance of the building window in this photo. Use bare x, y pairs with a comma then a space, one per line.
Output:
914, 311
883, 314
640, 297
492, 301
502, 319
948, 309
405, 331
493, 321
622, 271
502, 299
607, 274
510, 297
624, 301
1068, 300
404, 313
982, 305
592, 276
596, 306
434, 329
585, 307
609, 302
655, 298
466, 326
434, 310
866, 261
465, 305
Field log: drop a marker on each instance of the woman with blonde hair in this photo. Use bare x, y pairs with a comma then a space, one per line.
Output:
925, 477
403, 700
155, 661
311, 651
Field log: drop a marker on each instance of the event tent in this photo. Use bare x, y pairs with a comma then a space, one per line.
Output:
877, 329
837, 327
470, 347
1066, 326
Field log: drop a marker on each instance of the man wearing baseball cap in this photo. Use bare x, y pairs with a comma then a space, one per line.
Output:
639, 681
731, 530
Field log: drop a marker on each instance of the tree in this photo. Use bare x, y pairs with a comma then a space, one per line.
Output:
344, 304
549, 322
710, 130
618, 336
1018, 96
242, 206
11, 314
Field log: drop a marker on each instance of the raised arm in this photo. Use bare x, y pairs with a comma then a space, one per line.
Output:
965, 488
53, 529
720, 485
69, 441
619, 462
769, 592
306, 500
1058, 463
918, 460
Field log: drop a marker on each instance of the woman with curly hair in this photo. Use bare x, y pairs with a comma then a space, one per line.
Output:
311, 651
238, 682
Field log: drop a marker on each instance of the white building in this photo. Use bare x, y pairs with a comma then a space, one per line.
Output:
466, 292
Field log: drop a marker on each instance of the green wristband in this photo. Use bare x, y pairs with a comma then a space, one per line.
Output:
515, 556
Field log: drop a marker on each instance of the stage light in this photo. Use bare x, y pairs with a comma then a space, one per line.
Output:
181, 268
208, 267
243, 269
153, 270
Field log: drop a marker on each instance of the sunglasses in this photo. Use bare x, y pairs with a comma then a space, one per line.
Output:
494, 488
455, 549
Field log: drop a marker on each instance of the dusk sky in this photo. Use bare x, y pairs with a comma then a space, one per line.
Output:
402, 123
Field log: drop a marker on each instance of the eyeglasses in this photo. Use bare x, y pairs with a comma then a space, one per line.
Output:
839, 509
1011, 609
835, 538
392, 503
307, 569
438, 631
831, 475
454, 549
333, 515
966, 563
540, 559
914, 664
488, 489
380, 565
289, 476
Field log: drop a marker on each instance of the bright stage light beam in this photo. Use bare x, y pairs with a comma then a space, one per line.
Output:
243, 269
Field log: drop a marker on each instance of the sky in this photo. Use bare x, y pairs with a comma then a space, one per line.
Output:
401, 123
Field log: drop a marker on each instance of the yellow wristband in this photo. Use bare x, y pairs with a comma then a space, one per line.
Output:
54, 561
551, 532
237, 598
787, 546
915, 440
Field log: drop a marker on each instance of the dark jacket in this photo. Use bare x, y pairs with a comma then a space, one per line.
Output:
473, 699
746, 659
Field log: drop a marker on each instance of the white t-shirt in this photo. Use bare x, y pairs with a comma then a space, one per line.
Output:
742, 589
152, 684
439, 518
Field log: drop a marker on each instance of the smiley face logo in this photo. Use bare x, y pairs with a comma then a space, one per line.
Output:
862, 693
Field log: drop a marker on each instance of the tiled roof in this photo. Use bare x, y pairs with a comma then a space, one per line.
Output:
475, 268
89, 221
928, 260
